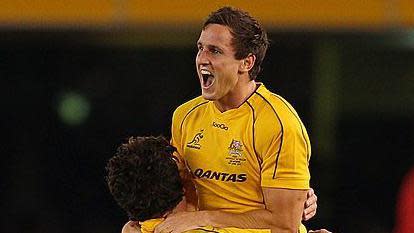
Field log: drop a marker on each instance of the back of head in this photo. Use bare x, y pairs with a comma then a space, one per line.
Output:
143, 178
249, 37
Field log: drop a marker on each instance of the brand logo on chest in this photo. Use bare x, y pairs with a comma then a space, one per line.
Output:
220, 126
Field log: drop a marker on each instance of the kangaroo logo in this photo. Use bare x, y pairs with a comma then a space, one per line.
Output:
196, 139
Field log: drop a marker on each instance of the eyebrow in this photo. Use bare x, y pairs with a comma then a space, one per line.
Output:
210, 46
214, 47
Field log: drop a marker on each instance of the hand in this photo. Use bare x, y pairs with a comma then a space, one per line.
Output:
320, 231
131, 227
179, 222
310, 206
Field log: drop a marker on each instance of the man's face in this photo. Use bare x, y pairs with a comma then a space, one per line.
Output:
216, 66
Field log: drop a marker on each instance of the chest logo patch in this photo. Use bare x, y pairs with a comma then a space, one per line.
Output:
195, 143
235, 147
235, 156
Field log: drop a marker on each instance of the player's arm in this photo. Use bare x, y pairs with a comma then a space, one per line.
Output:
282, 214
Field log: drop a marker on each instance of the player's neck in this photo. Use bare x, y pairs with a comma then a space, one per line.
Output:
236, 97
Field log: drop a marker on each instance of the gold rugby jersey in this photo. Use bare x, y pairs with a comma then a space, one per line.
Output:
149, 227
233, 154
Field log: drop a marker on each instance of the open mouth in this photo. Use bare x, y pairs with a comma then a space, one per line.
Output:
208, 78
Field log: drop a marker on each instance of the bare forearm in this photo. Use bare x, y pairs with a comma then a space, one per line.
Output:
258, 219
282, 214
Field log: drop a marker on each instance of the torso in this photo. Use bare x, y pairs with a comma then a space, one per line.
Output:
226, 151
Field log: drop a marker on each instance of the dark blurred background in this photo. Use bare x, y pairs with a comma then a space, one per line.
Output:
78, 77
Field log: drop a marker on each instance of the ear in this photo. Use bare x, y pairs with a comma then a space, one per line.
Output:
247, 63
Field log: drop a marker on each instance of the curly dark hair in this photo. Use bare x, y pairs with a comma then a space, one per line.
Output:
143, 178
249, 37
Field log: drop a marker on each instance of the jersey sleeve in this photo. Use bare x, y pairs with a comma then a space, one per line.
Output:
284, 150
176, 133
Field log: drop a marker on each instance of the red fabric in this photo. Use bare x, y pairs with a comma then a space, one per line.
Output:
405, 205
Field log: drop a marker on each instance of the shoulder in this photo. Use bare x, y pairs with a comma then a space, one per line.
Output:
274, 114
274, 108
186, 108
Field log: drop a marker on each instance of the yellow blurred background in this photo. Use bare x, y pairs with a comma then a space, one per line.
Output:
310, 14
78, 76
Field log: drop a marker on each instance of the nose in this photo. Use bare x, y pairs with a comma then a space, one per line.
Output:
202, 57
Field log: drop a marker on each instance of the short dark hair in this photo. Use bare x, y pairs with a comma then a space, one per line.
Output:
143, 178
248, 34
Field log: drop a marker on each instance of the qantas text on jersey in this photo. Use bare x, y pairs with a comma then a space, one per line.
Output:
223, 176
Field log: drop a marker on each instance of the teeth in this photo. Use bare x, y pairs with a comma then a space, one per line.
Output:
205, 72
